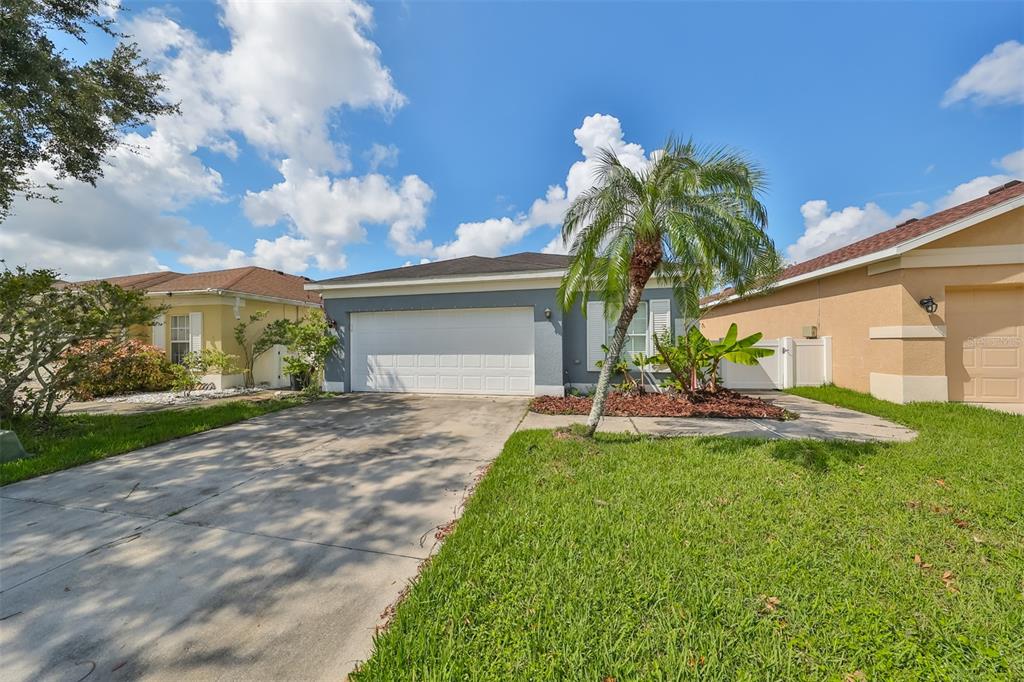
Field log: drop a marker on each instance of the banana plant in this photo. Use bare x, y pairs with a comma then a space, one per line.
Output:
642, 362
628, 383
687, 359
734, 349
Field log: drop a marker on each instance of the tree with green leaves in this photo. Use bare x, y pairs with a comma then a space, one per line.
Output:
310, 343
59, 112
254, 340
692, 218
53, 337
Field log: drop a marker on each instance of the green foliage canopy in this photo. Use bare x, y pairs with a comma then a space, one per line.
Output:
58, 112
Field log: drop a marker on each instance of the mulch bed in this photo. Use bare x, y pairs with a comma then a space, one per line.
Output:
724, 404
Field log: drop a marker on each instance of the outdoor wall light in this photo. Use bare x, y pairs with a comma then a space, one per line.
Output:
547, 313
929, 305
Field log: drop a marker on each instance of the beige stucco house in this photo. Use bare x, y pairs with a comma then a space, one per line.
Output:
932, 309
204, 307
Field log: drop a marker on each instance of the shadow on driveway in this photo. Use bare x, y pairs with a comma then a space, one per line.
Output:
262, 550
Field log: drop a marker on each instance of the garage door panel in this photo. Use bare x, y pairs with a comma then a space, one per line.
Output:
1006, 358
1000, 388
519, 384
985, 344
488, 351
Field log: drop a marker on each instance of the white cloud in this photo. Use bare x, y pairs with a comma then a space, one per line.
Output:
492, 236
826, 230
997, 78
289, 69
112, 228
1012, 164
381, 156
486, 238
333, 213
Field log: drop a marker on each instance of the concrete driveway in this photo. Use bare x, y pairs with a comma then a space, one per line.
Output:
263, 550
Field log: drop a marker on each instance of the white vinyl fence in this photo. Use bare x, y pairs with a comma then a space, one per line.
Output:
796, 362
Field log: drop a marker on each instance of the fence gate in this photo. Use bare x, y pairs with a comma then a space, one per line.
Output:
796, 362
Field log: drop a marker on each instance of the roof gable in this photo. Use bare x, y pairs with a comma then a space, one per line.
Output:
901, 234
251, 280
466, 266
906, 231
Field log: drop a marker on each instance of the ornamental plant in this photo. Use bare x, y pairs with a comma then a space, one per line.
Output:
310, 343
42, 320
129, 367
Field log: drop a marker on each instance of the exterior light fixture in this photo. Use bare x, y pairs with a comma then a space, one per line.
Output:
929, 305
547, 313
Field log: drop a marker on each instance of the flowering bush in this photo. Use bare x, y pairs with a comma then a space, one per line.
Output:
130, 366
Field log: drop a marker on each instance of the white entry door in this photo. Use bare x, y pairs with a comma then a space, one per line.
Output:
486, 351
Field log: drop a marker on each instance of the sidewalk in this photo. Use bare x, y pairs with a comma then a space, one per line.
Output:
819, 421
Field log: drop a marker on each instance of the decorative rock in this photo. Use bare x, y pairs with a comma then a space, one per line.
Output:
10, 447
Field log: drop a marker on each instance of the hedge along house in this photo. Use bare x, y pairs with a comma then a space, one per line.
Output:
474, 325
204, 307
932, 309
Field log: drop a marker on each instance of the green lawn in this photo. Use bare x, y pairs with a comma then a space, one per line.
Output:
639, 559
77, 439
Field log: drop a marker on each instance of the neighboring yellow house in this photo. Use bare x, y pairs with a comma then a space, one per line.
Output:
932, 309
204, 307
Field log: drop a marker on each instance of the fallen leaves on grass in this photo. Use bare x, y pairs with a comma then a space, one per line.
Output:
941, 482
855, 676
920, 563
949, 580
960, 523
724, 404
770, 604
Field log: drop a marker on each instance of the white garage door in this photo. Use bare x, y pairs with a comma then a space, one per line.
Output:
484, 350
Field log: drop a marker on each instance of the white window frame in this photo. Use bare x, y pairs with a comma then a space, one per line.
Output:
186, 339
643, 315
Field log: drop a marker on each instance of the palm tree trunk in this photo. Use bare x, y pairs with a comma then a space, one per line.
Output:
612, 358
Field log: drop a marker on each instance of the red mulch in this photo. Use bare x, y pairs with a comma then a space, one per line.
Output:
722, 404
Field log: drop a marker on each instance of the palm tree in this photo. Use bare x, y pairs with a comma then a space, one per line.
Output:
691, 217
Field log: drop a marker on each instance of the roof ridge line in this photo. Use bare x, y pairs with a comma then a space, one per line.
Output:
247, 270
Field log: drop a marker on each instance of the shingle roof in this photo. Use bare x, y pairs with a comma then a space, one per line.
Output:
469, 265
247, 280
897, 235
907, 231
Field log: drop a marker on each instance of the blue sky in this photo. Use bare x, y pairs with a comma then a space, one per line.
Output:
338, 138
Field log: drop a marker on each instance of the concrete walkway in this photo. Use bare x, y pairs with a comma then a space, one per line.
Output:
264, 550
817, 420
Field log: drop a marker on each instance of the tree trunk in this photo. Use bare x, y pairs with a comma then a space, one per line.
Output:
612, 358
647, 254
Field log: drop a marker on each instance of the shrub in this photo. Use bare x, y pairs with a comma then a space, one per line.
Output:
220, 362
187, 376
131, 366
41, 322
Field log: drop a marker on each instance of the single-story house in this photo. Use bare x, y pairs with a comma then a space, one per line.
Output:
204, 308
474, 325
932, 309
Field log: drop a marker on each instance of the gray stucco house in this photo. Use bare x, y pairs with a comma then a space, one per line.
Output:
474, 325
